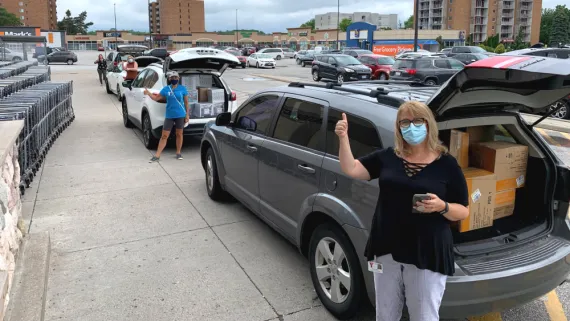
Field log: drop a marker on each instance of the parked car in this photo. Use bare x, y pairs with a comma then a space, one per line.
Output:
333, 51
467, 58
115, 77
289, 53
380, 65
306, 59
100, 48
300, 52
445, 51
161, 53
261, 150
122, 52
275, 53
411, 53
260, 60
242, 59
67, 57
357, 52
562, 106
11, 55
340, 68
428, 70
465, 49
246, 51
148, 115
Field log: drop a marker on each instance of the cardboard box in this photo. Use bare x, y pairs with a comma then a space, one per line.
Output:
481, 188
217, 108
459, 147
192, 96
202, 94
206, 81
507, 160
201, 110
504, 203
479, 134
190, 81
216, 95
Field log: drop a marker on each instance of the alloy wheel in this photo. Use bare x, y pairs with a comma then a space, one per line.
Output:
382, 77
340, 78
146, 130
315, 75
257, 65
332, 270
562, 113
430, 82
209, 173
125, 113
70, 62
118, 93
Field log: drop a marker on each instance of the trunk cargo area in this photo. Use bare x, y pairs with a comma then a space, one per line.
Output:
206, 94
507, 174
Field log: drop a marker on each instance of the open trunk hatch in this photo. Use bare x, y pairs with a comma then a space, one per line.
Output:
144, 61
131, 49
199, 59
501, 82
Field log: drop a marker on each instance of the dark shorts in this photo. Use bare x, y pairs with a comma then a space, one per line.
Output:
178, 123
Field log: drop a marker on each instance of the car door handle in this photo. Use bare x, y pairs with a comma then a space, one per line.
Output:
306, 169
252, 148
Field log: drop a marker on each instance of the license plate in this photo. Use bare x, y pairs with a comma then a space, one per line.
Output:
364, 77
397, 73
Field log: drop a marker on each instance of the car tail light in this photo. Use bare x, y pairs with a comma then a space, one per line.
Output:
115, 64
234, 96
411, 71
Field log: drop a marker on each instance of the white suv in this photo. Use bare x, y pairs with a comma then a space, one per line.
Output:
198, 67
275, 53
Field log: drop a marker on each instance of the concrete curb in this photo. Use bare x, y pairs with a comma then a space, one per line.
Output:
278, 78
29, 288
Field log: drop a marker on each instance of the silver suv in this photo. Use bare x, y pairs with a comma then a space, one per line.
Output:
277, 154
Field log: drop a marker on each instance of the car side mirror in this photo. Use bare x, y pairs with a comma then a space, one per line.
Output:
247, 123
334, 65
126, 84
224, 119
473, 60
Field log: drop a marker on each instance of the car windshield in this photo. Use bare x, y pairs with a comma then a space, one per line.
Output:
264, 56
385, 61
347, 60
235, 53
480, 56
310, 52
364, 52
478, 50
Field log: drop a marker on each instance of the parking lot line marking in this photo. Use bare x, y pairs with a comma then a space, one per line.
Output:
566, 135
554, 307
494, 316
544, 134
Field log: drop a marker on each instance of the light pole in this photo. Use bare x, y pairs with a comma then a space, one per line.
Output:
337, 24
237, 41
416, 19
149, 25
116, 35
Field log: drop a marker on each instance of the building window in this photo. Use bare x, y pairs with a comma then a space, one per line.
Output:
450, 1
449, 9
20, 3
21, 10
22, 17
493, 19
449, 17
493, 27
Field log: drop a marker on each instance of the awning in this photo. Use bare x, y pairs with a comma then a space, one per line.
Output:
26, 39
404, 42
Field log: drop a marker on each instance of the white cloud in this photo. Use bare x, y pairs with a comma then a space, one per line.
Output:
266, 15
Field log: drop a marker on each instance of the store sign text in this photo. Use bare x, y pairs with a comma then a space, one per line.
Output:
21, 33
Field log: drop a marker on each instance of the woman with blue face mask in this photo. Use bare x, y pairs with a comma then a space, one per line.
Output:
410, 247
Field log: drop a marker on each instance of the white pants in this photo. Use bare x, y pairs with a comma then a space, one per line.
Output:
421, 290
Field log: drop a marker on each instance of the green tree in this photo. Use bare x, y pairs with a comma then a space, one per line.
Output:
74, 25
500, 49
409, 23
344, 23
519, 42
492, 41
546, 25
439, 40
559, 33
309, 24
8, 19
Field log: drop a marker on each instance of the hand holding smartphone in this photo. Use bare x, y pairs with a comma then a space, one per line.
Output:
418, 198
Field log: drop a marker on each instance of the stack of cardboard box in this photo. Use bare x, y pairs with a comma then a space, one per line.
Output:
204, 100
493, 171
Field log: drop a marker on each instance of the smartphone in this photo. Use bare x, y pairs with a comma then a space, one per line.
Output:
418, 198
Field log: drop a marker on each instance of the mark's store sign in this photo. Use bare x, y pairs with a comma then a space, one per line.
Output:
20, 31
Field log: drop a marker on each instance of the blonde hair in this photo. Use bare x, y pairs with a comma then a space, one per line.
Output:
418, 110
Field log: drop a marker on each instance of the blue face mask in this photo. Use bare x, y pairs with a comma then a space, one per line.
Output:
414, 135
174, 81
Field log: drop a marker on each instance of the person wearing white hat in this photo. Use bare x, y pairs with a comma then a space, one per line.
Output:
177, 112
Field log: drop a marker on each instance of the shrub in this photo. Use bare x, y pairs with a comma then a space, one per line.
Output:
500, 49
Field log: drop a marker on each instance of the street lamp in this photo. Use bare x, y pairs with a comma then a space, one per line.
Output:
417, 9
150, 25
237, 41
337, 24
116, 35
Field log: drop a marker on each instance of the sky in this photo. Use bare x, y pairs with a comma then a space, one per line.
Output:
265, 15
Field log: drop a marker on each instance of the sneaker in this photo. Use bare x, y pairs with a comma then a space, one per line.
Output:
154, 159
179, 157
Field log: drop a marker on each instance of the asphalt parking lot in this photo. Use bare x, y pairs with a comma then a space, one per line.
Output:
139, 241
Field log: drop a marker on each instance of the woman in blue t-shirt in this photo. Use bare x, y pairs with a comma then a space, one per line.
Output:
177, 112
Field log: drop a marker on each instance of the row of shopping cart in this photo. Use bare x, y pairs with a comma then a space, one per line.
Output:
47, 110
34, 75
16, 68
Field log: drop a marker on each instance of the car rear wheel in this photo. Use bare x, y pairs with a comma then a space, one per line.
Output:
126, 121
213, 186
431, 82
257, 65
119, 93
107, 87
70, 61
298, 61
316, 76
247, 64
335, 271
303, 64
340, 78
150, 142
278, 58
562, 112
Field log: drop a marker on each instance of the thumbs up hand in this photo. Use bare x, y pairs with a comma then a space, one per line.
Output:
341, 128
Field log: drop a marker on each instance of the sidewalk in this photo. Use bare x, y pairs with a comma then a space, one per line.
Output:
137, 241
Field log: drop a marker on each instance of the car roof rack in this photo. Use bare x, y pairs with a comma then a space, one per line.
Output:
380, 93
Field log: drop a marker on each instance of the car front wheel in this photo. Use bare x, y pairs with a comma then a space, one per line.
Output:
70, 61
107, 87
431, 82
298, 61
213, 186
150, 142
335, 271
316, 76
119, 93
382, 76
562, 112
278, 58
340, 78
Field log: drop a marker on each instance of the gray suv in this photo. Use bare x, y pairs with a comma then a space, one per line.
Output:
277, 154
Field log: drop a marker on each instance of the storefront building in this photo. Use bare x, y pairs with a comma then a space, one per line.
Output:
54, 38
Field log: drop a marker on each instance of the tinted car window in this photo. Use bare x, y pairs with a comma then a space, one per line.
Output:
362, 135
477, 50
299, 123
347, 60
260, 112
423, 64
150, 79
403, 64
137, 83
441, 63
385, 61
331, 60
454, 64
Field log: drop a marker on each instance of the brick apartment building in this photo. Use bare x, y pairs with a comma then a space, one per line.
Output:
176, 16
37, 13
484, 18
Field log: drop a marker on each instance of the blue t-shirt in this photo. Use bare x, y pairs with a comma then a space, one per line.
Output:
174, 101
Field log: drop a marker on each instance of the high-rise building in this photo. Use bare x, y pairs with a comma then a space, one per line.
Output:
329, 20
33, 13
484, 18
176, 16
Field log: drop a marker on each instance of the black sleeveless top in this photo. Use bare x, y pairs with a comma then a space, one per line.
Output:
421, 239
